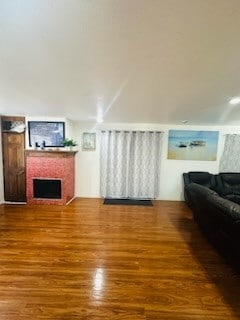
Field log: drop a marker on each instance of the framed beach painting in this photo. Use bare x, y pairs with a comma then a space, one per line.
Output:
192, 145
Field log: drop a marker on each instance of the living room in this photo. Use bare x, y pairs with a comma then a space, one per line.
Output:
111, 65
87, 175
161, 102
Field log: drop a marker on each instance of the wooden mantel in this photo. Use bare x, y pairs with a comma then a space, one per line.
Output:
49, 153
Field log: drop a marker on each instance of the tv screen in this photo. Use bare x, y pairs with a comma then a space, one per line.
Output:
52, 133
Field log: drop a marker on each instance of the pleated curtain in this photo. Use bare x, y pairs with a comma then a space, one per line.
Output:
230, 160
130, 164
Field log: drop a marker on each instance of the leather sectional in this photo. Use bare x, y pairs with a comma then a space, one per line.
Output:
216, 209
227, 185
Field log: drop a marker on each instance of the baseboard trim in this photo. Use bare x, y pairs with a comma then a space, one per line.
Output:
13, 202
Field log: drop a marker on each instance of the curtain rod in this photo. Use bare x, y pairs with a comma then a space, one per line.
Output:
134, 131
231, 134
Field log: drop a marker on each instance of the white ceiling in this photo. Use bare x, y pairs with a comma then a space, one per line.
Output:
151, 61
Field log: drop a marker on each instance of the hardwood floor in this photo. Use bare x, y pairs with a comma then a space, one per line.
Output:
92, 261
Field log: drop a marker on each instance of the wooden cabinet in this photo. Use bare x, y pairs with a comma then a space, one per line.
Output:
14, 168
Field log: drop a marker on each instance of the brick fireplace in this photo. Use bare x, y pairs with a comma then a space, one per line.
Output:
46, 167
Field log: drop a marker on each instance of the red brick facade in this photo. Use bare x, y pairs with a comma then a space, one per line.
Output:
51, 165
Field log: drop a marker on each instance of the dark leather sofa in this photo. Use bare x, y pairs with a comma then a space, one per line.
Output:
227, 185
218, 218
200, 177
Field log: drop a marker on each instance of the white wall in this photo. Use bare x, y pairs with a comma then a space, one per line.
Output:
87, 183
88, 162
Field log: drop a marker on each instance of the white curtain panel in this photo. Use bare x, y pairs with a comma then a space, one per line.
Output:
230, 160
130, 164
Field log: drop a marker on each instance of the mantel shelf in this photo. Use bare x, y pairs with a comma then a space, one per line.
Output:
49, 153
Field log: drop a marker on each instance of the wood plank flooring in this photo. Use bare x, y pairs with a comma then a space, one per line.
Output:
93, 261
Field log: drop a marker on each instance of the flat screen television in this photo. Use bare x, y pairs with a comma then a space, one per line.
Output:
52, 133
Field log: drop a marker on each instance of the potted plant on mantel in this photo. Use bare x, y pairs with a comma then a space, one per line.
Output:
69, 144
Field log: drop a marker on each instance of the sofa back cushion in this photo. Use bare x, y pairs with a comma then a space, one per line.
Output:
203, 178
231, 181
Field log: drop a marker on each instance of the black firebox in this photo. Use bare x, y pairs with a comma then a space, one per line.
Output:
47, 188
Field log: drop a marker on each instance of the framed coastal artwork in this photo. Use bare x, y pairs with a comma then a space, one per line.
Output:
192, 145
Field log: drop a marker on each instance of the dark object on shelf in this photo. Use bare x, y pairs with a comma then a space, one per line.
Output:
128, 202
6, 125
43, 145
17, 126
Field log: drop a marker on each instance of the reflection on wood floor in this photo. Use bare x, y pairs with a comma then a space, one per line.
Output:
93, 261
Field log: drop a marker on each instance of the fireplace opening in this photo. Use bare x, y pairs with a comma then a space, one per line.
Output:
47, 188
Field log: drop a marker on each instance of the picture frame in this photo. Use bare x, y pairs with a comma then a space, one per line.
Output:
193, 145
89, 141
52, 133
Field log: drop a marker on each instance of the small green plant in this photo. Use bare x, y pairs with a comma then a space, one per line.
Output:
69, 143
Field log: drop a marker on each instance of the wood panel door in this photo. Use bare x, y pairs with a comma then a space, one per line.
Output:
14, 168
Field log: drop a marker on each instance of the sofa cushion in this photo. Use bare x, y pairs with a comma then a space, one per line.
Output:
203, 178
231, 181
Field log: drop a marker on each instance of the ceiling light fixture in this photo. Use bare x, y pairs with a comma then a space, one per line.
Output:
235, 100
99, 120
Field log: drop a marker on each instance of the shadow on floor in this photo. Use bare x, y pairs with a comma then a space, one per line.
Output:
221, 270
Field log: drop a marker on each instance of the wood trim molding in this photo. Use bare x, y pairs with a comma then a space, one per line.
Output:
50, 153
